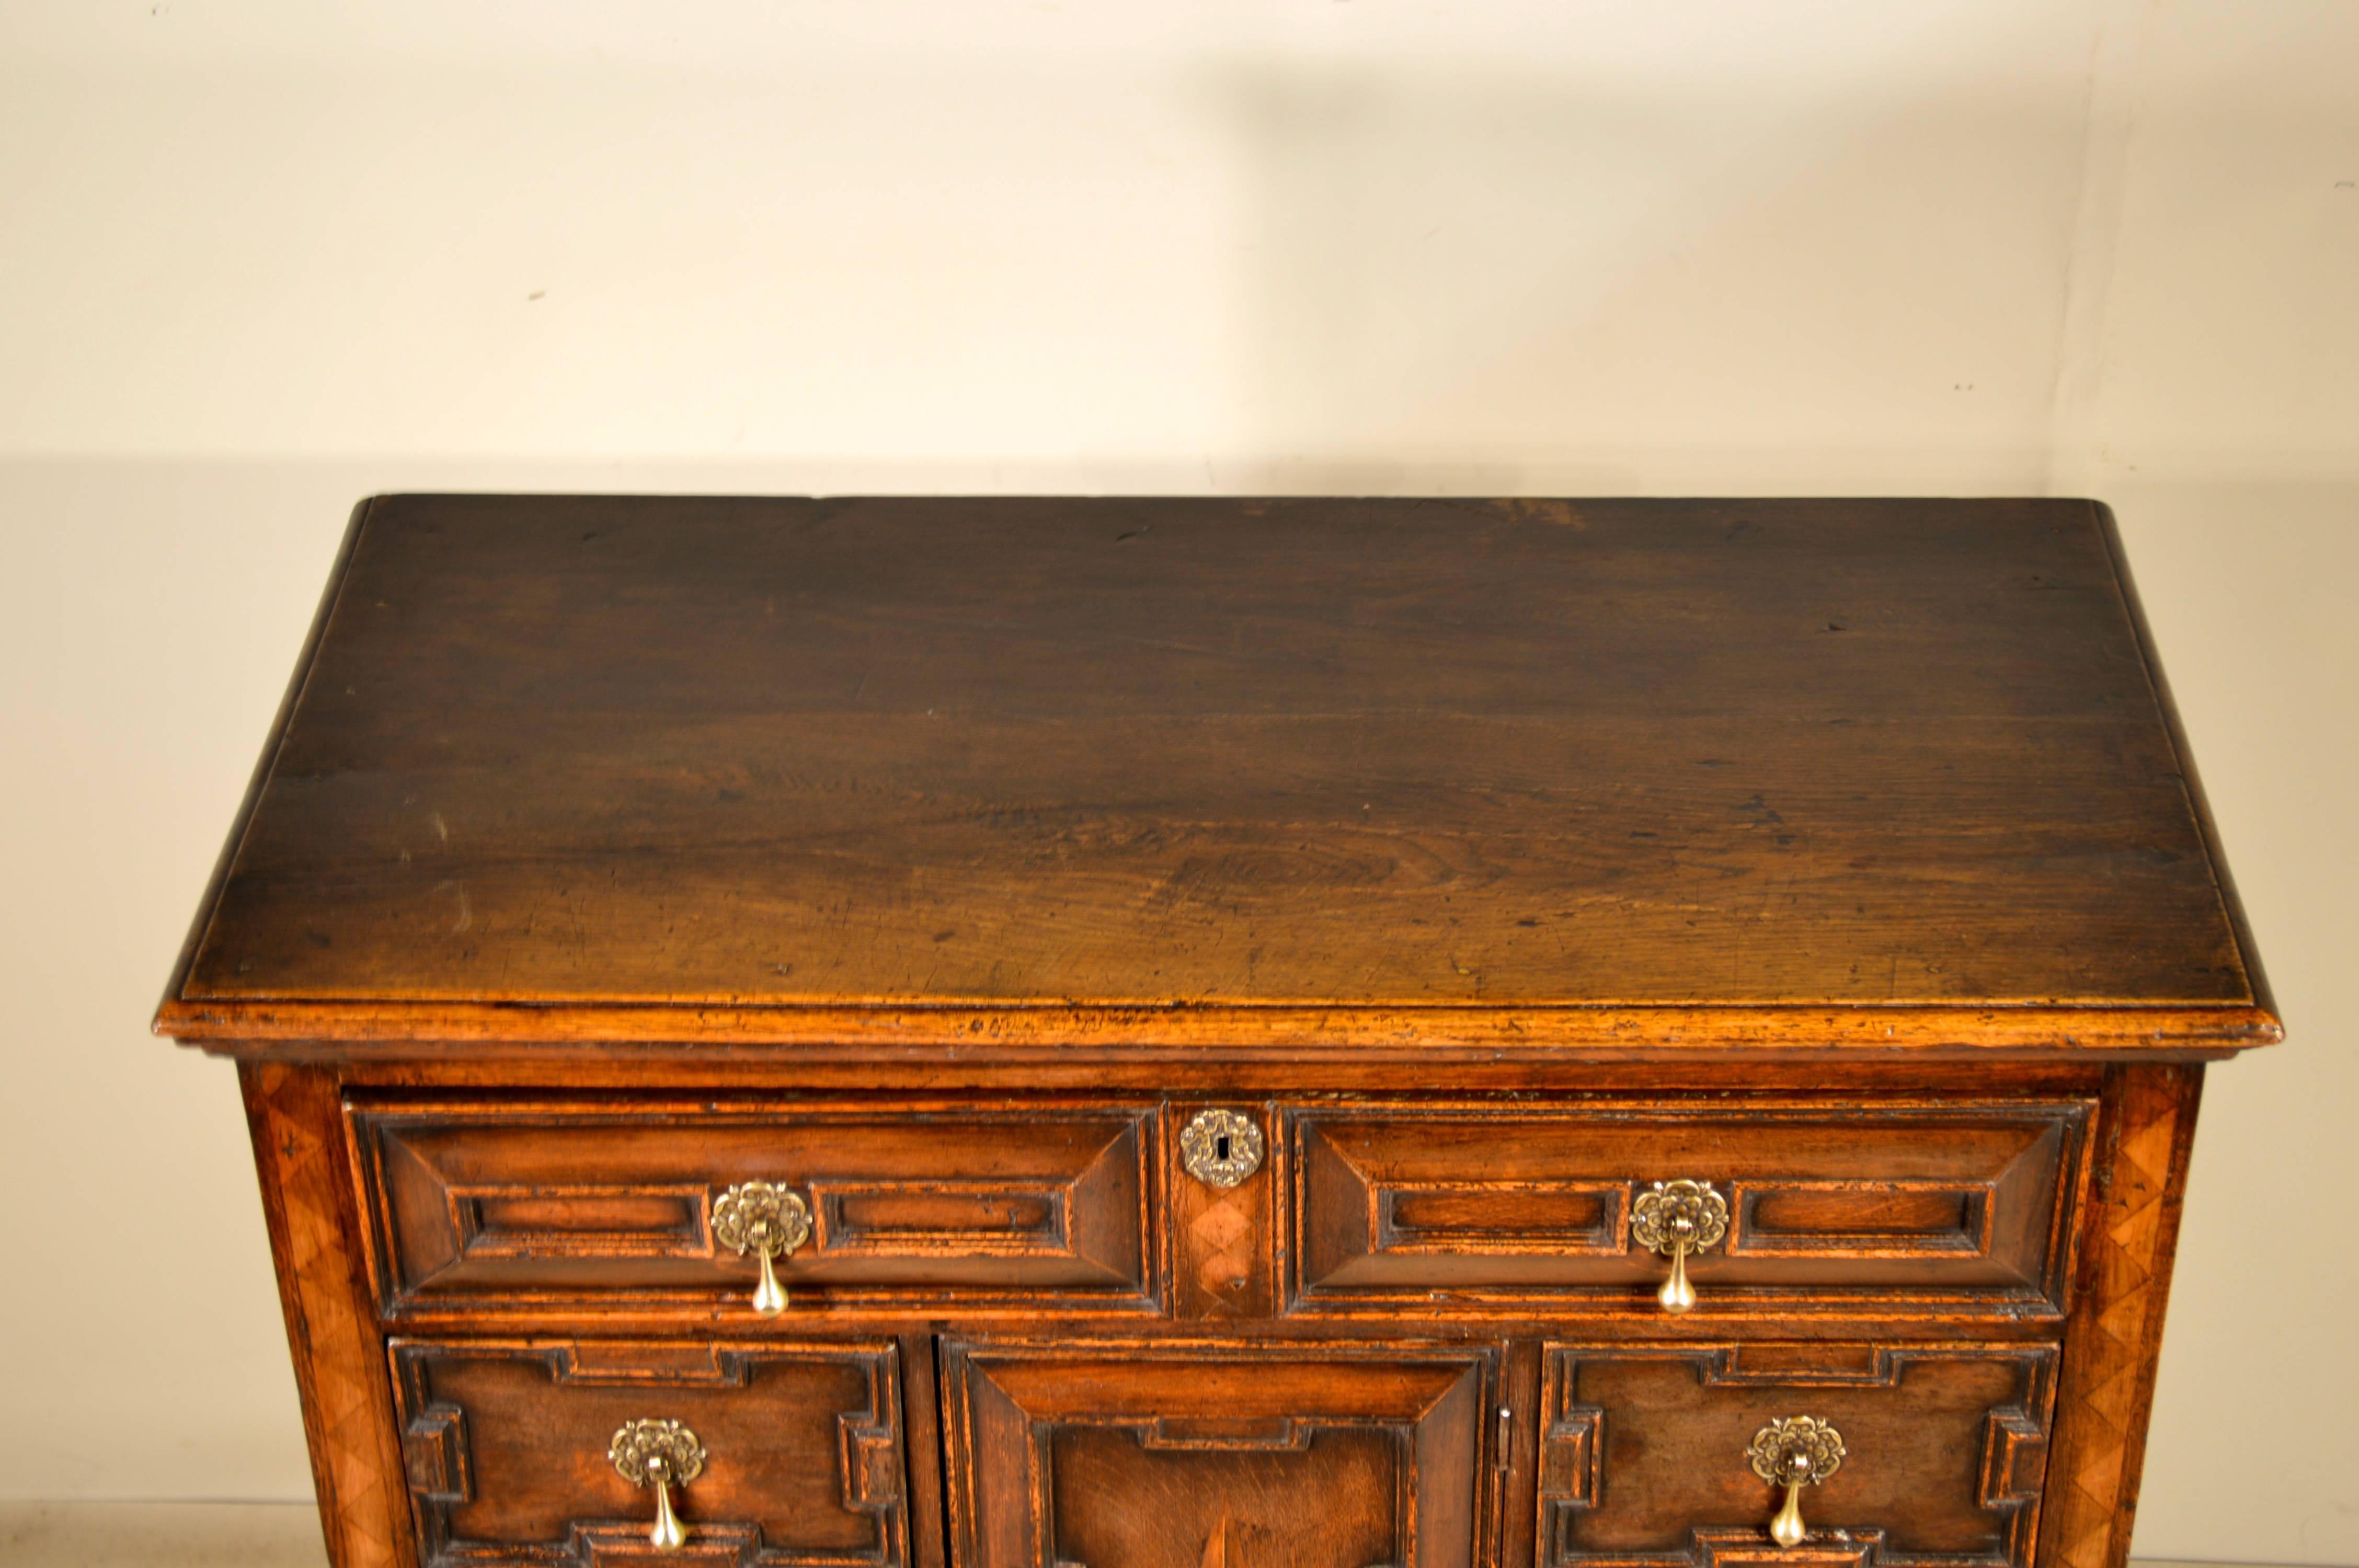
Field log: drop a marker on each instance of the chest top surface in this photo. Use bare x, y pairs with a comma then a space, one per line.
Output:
1397, 771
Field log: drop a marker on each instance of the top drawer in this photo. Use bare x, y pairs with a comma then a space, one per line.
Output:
626, 1203
1814, 1204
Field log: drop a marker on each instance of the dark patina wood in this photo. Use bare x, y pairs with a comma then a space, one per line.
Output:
1420, 766
1158, 1458
589, 1202
1956, 1438
1833, 1200
1488, 862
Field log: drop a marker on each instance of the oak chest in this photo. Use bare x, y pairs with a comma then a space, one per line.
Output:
1223, 1035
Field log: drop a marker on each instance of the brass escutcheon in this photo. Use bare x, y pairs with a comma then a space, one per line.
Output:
1676, 1218
1221, 1148
662, 1454
1799, 1450
768, 1221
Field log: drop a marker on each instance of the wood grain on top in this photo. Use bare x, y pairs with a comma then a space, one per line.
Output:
1021, 753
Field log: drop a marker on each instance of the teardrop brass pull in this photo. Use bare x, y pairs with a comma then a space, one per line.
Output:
662, 1454
1676, 1218
1799, 1450
768, 1221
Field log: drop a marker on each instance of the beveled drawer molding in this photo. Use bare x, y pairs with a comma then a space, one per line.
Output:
1645, 1462
510, 1448
1831, 1205
578, 1205
1120, 1454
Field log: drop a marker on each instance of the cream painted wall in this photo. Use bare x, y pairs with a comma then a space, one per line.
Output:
258, 259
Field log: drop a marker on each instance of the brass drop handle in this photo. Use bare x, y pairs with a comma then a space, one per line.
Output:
1799, 1450
1676, 1218
768, 1221
662, 1454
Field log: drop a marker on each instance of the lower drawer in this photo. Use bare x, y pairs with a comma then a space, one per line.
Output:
1654, 1456
1175, 1455
781, 1452
1149, 1453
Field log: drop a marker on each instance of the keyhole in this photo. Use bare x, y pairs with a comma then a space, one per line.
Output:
1221, 1149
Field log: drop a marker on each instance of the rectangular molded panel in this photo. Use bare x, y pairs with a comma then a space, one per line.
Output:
1643, 1456
1140, 1455
506, 1445
1831, 1205
585, 1204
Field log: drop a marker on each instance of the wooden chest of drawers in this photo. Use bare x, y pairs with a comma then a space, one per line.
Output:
1223, 1035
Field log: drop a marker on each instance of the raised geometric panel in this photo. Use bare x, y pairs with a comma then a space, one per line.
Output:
1177, 1456
583, 1204
1832, 1207
1643, 1459
1891, 1217
507, 1446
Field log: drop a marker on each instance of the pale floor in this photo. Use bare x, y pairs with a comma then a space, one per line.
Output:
151, 1535
193, 1535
